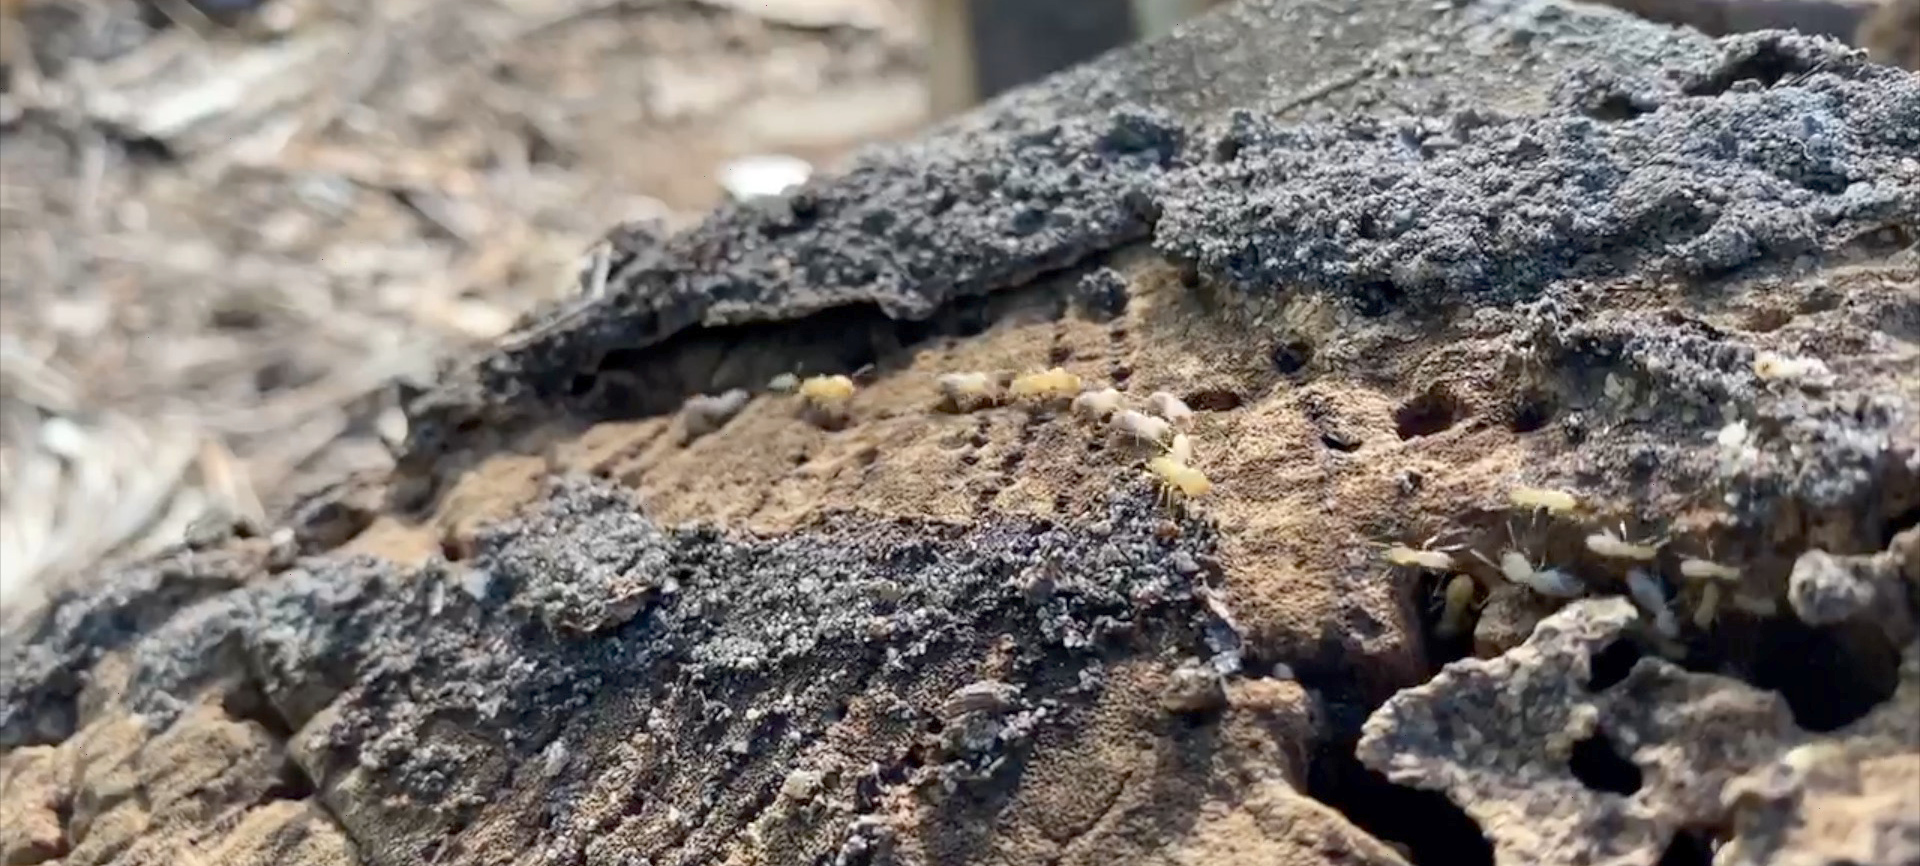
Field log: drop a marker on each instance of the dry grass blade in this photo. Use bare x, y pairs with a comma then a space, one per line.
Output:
29, 379
259, 227
76, 494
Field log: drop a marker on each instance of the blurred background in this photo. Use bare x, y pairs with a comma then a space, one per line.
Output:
227, 227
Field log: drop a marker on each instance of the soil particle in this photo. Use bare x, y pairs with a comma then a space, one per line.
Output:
1824, 591
1194, 688
1101, 294
620, 565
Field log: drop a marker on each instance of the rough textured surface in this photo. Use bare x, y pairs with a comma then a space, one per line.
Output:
573, 631
1560, 767
47, 660
1474, 207
1039, 180
750, 649
1772, 148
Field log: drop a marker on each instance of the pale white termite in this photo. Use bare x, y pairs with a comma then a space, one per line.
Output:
1046, 385
1457, 604
1182, 448
1432, 560
1550, 582
968, 390
1646, 592
1097, 404
1425, 556
1772, 365
1141, 426
1611, 545
1706, 569
1178, 478
1709, 607
1555, 502
1710, 575
827, 391
1172, 408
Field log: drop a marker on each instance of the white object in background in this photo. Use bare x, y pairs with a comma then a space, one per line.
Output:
763, 175
1153, 19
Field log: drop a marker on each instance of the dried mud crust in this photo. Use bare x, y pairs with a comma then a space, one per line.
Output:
928, 635
1627, 765
684, 695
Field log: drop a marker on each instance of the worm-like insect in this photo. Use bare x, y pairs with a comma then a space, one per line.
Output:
1097, 404
1172, 408
968, 390
1457, 607
1705, 569
1646, 592
1051, 384
1550, 582
1141, 426
1558, 503
1611, 545
826, 390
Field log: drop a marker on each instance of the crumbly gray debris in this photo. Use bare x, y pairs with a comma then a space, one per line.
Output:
1638, 153
1500, 738
1101, 294
1194, 687
989, 724
391, 653
1477, 207
1665, 390
1824, 591
1513, 741
1847, 799
620, 562
1878, 592
45, 663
